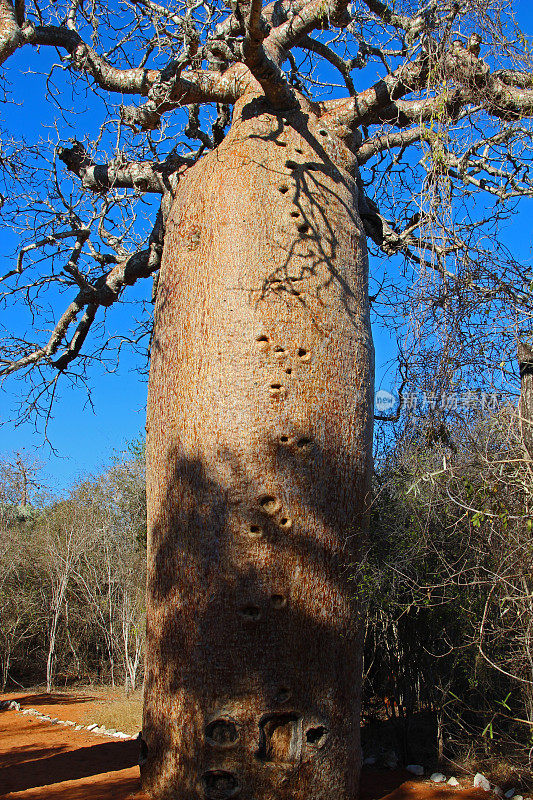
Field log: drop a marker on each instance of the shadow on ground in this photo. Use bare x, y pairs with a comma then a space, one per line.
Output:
39, 768
52, 699
43, 762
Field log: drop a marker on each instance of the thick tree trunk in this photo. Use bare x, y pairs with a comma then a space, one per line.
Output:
259, 455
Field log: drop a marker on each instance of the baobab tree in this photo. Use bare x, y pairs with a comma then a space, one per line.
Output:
260, 402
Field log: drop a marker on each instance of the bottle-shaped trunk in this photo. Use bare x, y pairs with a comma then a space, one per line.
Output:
259, 455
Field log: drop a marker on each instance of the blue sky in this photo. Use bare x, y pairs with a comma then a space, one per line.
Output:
84, 437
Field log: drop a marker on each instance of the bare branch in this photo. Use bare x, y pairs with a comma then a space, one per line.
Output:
387, 141
192, 87
84, 59
143, 176
314, 14
262, 62
330, 55
370, 105
474, 84
384, 13
103, 293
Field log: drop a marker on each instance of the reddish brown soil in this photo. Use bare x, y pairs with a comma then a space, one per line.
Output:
42, 761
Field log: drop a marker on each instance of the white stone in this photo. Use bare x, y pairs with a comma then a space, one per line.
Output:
452, 781
509, 793
14, 706
518, 797
78, 728
437, 777
69, 722
415, 769
480, 782
92, 727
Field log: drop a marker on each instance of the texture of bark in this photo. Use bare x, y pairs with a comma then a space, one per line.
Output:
10, 33
259, 453
525, 363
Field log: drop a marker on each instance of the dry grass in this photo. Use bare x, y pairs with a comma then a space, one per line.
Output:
112, 708
500, 770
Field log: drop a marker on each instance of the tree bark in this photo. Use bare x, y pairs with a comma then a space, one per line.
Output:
525, 406
57, 605
259, 435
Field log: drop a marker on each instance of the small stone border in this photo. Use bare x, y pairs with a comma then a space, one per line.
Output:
479, 781
100, 730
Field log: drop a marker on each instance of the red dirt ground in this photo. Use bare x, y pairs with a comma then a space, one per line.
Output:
42, 761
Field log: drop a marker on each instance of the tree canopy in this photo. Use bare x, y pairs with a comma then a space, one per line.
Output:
435, 99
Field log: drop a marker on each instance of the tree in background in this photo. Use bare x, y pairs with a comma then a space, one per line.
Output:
261, 385
72, 581
447, 579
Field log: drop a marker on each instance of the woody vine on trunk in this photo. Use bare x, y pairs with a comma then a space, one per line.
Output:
260, 401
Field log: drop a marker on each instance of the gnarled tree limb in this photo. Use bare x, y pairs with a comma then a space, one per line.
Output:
144, 176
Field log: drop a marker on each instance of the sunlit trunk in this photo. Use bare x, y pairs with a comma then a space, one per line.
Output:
259, 457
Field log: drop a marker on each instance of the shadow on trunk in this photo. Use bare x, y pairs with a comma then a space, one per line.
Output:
261, 676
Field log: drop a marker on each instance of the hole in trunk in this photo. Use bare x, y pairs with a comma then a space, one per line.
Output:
222, 732
278, 601
284, 189
283, 438
280, 737
288, 371
298, 150
303, 442
250, 612
285, 523
269, 504
304, 354
291, 164
303, 228
295, 213
255, 530
220, 785
262, 338
322, 132
316, 736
